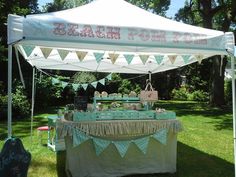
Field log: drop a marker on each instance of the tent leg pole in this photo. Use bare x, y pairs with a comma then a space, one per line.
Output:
234, 109
32, 106
9, 92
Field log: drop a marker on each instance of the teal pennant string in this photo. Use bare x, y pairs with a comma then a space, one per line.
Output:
122, 147
28, 49
100, 145
142, 144
98, 56
186, 58
159, 58
129, 58
55, 81
79, 137
75, 87
161, 136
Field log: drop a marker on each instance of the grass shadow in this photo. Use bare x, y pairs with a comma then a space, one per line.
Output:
192, 162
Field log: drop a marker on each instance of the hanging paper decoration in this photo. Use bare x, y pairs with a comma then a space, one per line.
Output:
199, 58
159, 58
98, 56
172, 58
81, 55
85, 86
128, 58
62, 53
28, 49
64, 84
46, 51
161, 136
75, 87
79, 137
94, 84
122, 147
142, 144
113, 57
109, 77
100, 145
102, 81
55, 81
186, 58
144, 58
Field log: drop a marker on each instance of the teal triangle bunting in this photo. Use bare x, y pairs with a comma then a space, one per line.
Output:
102, 81
98, 56
129, 58
75, 87
186, 58
109, 77
55, 81
79, 137
64, 84
100, 145
142, 144
94, 84
85, 86
161, 136
28, 49
159, 58
122, 147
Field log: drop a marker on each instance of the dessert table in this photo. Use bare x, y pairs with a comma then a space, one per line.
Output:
111, 148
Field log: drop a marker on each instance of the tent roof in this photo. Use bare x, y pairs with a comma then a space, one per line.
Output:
112, 36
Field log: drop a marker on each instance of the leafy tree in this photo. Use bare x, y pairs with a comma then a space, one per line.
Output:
213, 14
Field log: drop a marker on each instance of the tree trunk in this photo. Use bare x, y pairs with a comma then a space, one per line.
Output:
217, 97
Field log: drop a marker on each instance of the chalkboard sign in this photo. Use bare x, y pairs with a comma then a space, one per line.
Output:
14, 159
81, 102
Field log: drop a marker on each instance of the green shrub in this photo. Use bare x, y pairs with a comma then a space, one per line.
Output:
199, 95
183, 94
20, 104
180, 94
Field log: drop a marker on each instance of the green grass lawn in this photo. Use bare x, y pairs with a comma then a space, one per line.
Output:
205, 147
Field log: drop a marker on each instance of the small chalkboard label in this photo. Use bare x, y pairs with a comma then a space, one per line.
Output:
81, 102
14, 159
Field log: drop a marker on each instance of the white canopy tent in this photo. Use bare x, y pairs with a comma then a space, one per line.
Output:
111, 36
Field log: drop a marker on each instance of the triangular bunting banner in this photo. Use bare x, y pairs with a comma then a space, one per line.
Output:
98, 56
113, 57
161, 136
75, 87
109, 77
199, 58
79, 137
122, 147
172, 58
186, 58
46, 52
62, 53
81, 55
100, 145
28, 49
129, 58
85, 86
144, 58
55, 81
142, 144
64, 84
94, 84
159, 58
102, 81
